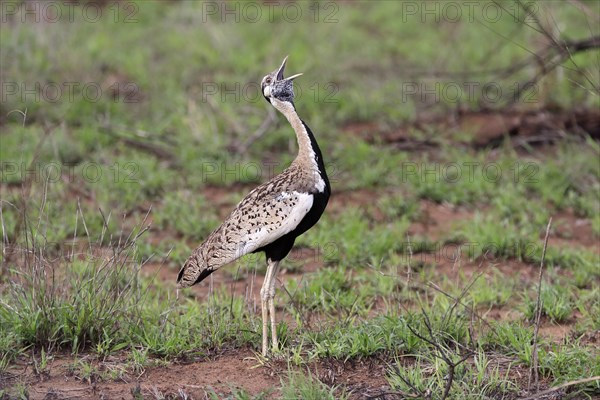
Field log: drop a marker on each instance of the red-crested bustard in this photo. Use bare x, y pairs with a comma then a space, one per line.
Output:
273, 215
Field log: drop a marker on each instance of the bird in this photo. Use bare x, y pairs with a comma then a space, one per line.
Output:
271, 216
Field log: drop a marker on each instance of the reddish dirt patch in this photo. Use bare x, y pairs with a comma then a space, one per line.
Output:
359, 378
360, 198
438, 220
526, 273
237, 370
569, 230
487, 128
555, 332
233, 370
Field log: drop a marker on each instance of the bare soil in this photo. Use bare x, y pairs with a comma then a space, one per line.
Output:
223, 373
486, 128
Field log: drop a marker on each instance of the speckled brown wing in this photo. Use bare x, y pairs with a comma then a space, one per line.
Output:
264, 215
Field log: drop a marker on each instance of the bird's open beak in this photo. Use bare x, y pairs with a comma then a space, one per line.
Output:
282, 68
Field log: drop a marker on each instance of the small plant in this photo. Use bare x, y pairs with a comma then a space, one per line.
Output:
138, 359
492, 292
490, 377
412, 380
556, 303
20, 392
86, 371
41, 366
399, 206
305, 386
512, 339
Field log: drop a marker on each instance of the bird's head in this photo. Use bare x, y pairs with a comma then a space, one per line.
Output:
275, 87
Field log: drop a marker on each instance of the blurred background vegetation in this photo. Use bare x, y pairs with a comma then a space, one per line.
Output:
137, 100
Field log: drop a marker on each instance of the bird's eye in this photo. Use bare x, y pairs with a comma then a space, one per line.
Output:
268, 80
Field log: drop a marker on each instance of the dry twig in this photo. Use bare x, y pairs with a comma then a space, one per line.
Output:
563, 386
538, 316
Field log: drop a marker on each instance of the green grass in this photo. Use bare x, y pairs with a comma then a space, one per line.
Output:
495, 291
301, 386
104, 304
189, 215
557, 303
364, 241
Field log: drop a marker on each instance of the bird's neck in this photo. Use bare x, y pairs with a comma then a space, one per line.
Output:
309, 154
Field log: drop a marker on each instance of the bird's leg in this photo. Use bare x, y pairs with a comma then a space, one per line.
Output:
264, 300
272, 282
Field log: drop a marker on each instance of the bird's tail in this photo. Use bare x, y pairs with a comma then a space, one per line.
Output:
192, 272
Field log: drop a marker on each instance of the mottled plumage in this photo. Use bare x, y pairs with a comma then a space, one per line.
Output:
267, 213
272, 215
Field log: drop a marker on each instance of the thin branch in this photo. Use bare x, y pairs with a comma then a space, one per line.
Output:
540, 28
538, 314
258, 133
27, 183
554, 56
563, 386
584, 8
142, 145
410, 256
23, 114
382, 394
442, 352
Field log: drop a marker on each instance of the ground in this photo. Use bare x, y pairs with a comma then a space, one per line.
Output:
241, 368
